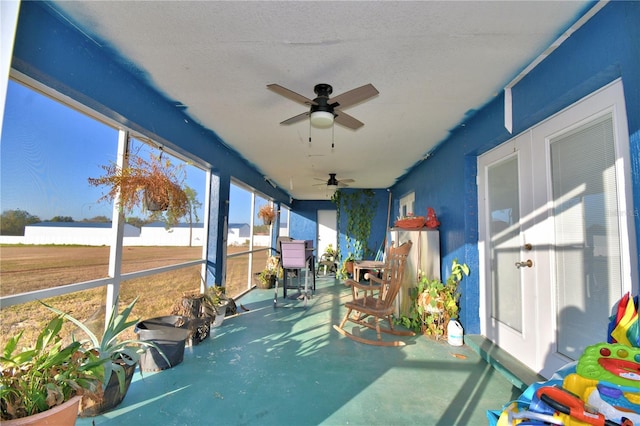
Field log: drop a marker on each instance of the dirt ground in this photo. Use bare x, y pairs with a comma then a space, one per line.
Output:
28, 268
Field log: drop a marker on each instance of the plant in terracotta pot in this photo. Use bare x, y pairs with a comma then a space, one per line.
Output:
155, 185
47, 378
435, 302
120, 357
347, 266
267, 214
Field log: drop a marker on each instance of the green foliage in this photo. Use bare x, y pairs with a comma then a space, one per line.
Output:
434, 303
98, 219
108, 347
360, 207
12, 222
61, 219
45, 375
137, 222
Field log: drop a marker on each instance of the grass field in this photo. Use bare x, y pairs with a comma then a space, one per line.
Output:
29, 268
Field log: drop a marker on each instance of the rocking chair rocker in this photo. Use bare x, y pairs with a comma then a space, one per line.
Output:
380, 306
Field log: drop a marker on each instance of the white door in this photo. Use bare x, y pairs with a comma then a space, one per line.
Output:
327, 230
507, 254
556, 246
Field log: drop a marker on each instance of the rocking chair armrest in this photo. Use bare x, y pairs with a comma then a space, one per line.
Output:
373, 278
361, 286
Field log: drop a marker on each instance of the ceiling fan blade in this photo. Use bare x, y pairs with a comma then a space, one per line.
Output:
341, 184
296, 118
354, 96
290, 94
346, 180
346, 120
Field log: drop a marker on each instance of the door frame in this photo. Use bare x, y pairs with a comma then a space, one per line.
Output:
607, 99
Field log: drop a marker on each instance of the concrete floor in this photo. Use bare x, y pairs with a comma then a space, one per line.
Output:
287, 366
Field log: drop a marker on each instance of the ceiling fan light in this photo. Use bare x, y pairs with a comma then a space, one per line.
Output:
332, 188
321, 119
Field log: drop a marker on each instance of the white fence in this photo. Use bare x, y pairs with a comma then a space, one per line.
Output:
101, 236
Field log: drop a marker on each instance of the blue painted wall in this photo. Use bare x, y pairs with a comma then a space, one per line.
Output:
303, 223
605, 48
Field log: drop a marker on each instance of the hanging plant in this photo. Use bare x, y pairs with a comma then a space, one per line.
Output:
154, 185
267, 214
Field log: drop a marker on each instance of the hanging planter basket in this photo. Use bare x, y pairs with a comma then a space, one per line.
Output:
155, 201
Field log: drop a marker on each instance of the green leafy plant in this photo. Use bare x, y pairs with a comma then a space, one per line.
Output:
271, 270
434, 303
109, 346
46, 375
360, 208
345, 269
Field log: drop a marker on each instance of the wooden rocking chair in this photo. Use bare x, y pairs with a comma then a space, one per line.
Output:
366, 306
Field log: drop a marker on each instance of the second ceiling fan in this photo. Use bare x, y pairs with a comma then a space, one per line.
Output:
325, 110
332, 183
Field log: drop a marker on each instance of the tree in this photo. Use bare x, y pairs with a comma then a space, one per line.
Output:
12, 222
62, 219
98, 219
136, 221
194, 205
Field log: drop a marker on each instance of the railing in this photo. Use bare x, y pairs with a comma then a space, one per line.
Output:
242, 267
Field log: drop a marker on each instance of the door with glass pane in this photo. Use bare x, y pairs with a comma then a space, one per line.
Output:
574, 234
505, 206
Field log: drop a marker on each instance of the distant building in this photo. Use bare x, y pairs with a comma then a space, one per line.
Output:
238, 234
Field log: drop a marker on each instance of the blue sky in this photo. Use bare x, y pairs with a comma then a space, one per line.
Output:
48, 151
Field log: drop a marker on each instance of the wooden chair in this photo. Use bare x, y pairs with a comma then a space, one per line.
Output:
366, 306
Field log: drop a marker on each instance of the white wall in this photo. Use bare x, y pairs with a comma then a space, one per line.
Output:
147, 236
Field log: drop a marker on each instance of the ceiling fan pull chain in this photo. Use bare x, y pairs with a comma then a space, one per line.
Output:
309, 131
333, 134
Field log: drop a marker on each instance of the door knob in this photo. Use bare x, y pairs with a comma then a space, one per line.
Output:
528, 263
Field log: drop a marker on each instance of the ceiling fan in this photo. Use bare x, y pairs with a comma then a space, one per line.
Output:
333, 183
324, 110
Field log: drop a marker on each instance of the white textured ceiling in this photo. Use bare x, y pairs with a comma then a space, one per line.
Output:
433, 62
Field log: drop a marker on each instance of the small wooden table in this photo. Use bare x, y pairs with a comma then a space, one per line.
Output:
359, 265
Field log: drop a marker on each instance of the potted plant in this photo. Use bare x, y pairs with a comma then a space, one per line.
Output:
435, 303
46, 379
267, 277
120, 358
221, 303
267, 214
155, 185
347, 266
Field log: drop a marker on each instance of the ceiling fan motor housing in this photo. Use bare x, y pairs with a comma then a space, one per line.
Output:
322, 101
332, 179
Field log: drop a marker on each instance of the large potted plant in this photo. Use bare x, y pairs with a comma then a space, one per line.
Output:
434, 303
46, 379
155, 185
120, 358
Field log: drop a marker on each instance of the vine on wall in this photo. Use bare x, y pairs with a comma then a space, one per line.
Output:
360, 207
